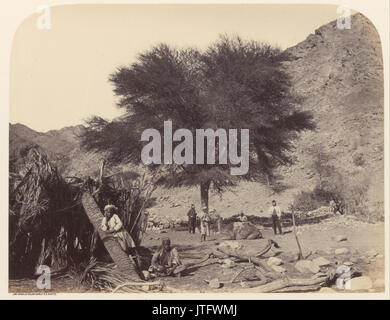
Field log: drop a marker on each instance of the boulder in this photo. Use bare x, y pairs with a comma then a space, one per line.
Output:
321, 262
245, 230
359, 283
306, 266
341, 251
348, 263
274, 261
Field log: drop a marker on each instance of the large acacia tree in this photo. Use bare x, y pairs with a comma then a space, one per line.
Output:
233, 84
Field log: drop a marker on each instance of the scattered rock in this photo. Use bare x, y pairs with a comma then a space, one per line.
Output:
321, 261
305, 266
359, 283
355, 259
372, 253
341, 251
214, 283
279, 269
340, 238
274, 261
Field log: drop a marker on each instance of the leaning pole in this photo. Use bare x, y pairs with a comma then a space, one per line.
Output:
121, 259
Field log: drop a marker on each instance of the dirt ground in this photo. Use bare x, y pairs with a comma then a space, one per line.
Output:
316, 239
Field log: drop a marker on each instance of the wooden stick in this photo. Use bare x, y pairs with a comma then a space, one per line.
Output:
300, 255
266, 249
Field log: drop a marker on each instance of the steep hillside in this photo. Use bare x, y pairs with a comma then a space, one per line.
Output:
61, 146
339, 73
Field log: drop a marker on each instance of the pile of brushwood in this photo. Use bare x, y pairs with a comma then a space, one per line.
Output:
48, 224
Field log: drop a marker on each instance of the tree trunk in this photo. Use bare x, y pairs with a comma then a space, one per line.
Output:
243, 257
121, 259
204, 194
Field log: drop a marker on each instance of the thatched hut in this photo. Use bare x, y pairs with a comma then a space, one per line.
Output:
48, 221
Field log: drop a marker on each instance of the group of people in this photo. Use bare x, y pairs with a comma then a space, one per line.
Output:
204, 218
166, 259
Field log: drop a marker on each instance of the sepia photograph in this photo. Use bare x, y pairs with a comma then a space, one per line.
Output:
197, 148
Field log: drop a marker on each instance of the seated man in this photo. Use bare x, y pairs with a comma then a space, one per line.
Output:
165, 260
242, 217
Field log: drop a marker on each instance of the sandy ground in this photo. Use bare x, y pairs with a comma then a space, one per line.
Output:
316, 240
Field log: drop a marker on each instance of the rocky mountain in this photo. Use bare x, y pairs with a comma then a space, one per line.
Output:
339, 73
61, 146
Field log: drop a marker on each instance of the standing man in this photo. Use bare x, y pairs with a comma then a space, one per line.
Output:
204, 224
191, 219
276, 215
242, 217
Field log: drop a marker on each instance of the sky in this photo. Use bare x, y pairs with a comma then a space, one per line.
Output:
59, 76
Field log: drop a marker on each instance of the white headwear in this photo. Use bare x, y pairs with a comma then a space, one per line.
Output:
110, 207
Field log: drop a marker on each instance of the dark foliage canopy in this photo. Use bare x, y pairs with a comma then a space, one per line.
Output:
233, 84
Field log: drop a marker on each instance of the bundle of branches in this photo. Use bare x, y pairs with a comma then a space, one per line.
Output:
106, 277
39, 201
48, 224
